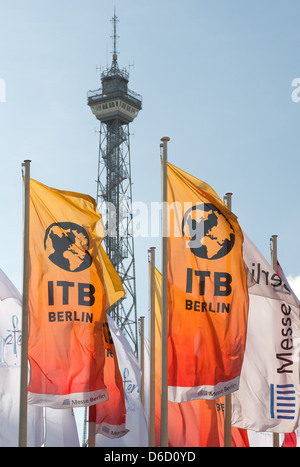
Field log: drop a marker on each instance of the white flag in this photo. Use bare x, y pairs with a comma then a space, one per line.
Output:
258, 439
268, 396
60, 428
130, 370
10, 357
57, 427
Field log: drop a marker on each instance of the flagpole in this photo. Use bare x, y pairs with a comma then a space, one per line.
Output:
24, 348
274, 266
142, 363
92, 427
227, 402
164, 316
274, 252
152, 350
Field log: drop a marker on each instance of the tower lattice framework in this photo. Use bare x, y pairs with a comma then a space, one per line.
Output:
115, 106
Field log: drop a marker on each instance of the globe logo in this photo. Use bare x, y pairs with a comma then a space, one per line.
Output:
209, 233
66, 245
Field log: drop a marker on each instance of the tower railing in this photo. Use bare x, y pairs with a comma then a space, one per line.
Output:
131, 96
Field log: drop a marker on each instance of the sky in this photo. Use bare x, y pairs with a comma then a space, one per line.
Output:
219, 77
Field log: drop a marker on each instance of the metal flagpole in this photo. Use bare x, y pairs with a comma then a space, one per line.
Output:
274, 266
24, 354
164, 311
142, 358
274, 252
92, 427
227, 404
152, 350
228, 198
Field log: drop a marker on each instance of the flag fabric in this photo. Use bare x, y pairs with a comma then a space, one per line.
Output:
207, 292
292, 440
49, 428
135, 433
268, 397
67, 299
259, 439
197, 423
60, 428
109, 416
10, 360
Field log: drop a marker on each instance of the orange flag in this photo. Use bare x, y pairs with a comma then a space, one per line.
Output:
109, 417
71, 284
207, 292
198, 423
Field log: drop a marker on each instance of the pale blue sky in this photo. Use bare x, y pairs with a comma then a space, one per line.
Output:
215, 76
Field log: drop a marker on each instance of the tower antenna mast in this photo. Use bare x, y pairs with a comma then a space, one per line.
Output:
116, 106
115, 37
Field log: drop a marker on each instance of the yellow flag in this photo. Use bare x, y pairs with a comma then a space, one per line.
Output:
71, 284
207, 291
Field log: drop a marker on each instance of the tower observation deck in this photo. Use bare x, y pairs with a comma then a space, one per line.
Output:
115, 106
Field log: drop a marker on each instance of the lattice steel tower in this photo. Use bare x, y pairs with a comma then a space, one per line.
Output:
116, 106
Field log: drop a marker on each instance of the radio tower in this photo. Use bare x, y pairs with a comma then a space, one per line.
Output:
116, 106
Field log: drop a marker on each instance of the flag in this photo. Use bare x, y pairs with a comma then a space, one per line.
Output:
109, 416
259, 439
292, 440
10, 359
67, 299
108, 420
197, 423
60, 428
207, 292
268, 397
51, 428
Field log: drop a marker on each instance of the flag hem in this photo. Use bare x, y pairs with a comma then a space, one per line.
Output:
66, 401
185, 394
111, 431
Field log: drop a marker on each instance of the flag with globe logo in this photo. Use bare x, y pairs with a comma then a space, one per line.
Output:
211, 234
207, 292
67, 246
71, 285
